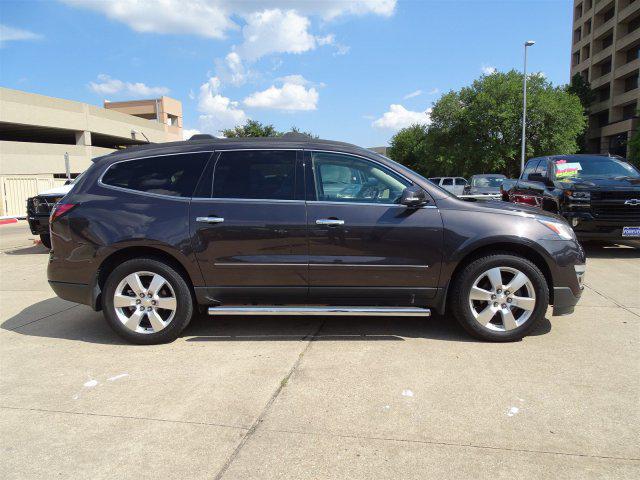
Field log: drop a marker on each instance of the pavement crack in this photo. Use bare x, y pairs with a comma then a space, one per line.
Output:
14, 329
125, 417
612, 300
268, 405
452, 444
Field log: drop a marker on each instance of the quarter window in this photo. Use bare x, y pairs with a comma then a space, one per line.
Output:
344, 178
173, 175
267, 175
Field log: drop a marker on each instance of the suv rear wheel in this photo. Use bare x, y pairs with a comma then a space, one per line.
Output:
500, 297
147, 302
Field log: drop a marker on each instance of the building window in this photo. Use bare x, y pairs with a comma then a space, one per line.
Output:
607, 41
631, 83
577, 35
602, 119
587, 27
633, 25
629, 111
578, 11
576, 58
587, 5
586, 52
604, 93
605, 67
608, 15
633, 53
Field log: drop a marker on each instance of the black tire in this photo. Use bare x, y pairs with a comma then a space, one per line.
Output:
184, 301
459, 296
45, 239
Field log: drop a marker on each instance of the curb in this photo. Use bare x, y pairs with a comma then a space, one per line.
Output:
6, 221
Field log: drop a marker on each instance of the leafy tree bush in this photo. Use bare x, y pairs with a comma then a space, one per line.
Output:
478, 129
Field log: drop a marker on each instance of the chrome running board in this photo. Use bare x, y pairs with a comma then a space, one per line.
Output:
335, 311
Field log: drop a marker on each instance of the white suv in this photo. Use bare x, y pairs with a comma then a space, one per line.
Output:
454, 185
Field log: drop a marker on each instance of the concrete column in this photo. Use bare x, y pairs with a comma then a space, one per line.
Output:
83, 138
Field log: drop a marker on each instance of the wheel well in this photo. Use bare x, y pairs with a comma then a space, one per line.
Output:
128, 253
513, 248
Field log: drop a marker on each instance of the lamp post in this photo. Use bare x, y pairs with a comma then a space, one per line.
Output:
528, 43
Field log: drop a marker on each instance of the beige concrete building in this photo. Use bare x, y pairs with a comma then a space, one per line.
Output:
37, 131
606, 52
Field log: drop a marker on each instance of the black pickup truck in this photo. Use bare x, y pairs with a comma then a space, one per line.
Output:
599, 195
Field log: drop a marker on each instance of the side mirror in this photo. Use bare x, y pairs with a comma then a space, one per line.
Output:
414, 197
538, 177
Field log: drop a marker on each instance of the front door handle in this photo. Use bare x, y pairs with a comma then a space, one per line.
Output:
329, 221
209, 219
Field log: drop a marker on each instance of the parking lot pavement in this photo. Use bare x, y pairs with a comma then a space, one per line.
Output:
313, 398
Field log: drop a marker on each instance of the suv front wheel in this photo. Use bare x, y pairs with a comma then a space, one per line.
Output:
147, 302
500, 297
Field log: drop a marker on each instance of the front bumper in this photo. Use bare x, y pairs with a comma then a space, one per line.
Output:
588, 227
38, 224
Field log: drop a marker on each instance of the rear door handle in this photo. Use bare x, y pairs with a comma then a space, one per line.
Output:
329, 221
209, 219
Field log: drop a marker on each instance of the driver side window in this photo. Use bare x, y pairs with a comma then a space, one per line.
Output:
343, 178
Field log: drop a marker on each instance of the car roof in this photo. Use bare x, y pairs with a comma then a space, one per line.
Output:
488, 175
209, 143
578, 156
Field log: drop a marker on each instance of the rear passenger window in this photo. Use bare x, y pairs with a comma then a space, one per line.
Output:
173, 175
268, 175
447, 181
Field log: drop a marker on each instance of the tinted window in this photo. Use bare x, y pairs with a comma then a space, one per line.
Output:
174, 175
268, 175
343, 178
530, 168
461, 181
447, 181
542, 168
582, 167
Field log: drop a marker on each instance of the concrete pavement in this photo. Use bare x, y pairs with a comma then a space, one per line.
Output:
310, 398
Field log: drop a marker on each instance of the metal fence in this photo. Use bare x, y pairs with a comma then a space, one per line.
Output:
14, 191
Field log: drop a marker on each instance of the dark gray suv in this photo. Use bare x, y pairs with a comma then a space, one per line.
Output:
295, 225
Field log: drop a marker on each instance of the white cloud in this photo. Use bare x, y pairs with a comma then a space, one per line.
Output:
417, 93
433, 91
12, 34
488, 69
292, 95
187, 133
275, 31
112, 86
197, 17
217, 112
215, 18
399, 117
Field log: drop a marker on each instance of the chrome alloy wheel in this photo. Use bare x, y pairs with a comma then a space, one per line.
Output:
502, 299
145, 302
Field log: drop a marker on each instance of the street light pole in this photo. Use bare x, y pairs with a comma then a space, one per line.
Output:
528, 43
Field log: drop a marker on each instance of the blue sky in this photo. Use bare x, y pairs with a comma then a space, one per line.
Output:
342, 70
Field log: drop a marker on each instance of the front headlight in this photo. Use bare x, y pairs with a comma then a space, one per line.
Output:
578, 195
563, 230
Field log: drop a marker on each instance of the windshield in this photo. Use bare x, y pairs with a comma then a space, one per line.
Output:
487, 182
585, 167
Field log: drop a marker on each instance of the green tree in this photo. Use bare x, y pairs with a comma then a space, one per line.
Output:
252, 128
409, 147
478, 129
582, 88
